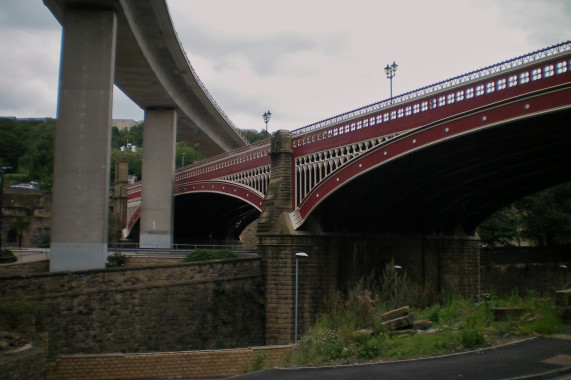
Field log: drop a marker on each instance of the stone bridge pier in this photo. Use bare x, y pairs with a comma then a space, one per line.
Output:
441, 264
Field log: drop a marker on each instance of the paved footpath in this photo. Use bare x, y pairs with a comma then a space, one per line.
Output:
539, 358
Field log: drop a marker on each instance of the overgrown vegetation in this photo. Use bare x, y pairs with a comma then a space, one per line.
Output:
202, 254
351, 328
115, 260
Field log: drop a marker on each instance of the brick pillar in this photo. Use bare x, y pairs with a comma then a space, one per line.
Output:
455, 264
120, 197
277, 243
278, 201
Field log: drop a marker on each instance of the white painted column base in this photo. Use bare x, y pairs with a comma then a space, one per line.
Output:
77, 256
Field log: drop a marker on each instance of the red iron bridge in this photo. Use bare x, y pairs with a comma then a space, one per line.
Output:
436, 160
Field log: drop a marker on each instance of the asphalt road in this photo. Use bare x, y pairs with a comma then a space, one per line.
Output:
541, 358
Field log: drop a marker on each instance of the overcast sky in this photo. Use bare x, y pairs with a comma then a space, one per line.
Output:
304, 60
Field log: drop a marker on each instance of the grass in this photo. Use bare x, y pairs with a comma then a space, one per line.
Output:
350, 330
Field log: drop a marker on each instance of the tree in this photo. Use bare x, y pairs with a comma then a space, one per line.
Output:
546, 216
11, 148
38, 162
502, 228
190, 154
544, 219
253, 136
20, 225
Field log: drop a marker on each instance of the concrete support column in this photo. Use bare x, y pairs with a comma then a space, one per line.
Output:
83, 141
157, 202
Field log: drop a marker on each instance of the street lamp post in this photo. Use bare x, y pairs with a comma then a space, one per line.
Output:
266, 117
182, 166
2, 171
297, 256
396, 267
391, 72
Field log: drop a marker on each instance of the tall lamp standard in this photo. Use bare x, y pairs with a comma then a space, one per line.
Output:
391, 72
297, 256
2, 171
266, 117
182, 165
396, 268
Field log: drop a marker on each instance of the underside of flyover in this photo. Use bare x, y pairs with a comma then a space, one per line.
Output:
209, 218
452, 186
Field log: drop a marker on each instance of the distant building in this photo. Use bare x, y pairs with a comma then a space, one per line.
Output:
129, 147
124, 123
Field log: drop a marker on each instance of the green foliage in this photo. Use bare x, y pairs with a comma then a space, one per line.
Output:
28, 147
258, 364
115, 260
471, 337
203, 254
319, 344
6, 257
252, 136
346, 333
544, 219
190, 154
133, 135
501, 229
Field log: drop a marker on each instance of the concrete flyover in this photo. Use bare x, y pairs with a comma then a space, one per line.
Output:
131, 44
152, 69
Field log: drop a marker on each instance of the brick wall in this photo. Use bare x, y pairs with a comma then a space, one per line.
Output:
192, 364
213, 304
339, 262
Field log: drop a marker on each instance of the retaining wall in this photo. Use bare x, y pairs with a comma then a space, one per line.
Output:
192, 364
216, 304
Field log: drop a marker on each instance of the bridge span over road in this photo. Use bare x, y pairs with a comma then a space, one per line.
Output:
409, 179
130, 43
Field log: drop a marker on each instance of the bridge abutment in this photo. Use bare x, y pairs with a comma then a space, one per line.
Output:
83, 141
440, 265
157, 202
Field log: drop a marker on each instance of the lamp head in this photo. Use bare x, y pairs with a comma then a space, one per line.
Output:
301, 254
387, 70
267, 116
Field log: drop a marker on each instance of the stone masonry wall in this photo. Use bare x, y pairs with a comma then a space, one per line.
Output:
186, 306
524, 269
339, 262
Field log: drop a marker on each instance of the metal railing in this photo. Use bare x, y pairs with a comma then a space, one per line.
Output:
437, 87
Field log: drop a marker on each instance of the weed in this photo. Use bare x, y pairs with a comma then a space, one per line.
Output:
350, 328
115, 260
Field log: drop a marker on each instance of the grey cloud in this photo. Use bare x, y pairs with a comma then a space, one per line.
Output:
26, 14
